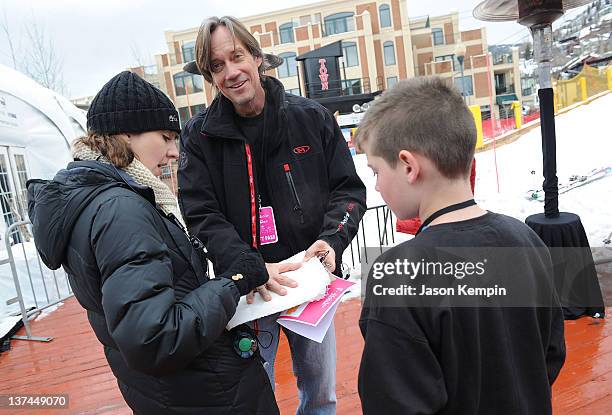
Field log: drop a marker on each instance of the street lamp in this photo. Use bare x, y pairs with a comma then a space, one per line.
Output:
460, 54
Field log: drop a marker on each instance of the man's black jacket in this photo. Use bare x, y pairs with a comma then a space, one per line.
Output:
326, 200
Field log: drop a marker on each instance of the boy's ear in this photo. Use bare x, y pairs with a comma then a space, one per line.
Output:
410, 165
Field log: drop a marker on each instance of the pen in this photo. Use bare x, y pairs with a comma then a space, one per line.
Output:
323, 256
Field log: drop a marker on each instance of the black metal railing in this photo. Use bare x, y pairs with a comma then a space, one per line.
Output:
385, 224
344, 87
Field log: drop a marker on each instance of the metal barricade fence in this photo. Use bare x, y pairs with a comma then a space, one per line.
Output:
385, 227
47, 288
44, 288
38, 288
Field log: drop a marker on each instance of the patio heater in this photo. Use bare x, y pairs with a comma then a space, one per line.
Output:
557, 229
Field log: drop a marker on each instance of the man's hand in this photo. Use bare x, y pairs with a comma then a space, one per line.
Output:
320, 248
276, 281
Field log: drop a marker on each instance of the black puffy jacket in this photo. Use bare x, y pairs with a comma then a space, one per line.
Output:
148, 299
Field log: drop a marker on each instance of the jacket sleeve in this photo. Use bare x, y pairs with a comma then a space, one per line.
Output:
555, 353
202, 213
399, 372
347, 199
155, 333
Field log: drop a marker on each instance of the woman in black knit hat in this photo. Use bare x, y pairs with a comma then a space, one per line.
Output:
116, 230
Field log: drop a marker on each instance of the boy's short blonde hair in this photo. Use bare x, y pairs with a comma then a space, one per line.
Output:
424, 115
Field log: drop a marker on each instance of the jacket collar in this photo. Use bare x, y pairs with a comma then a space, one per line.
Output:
109, 173
220, 118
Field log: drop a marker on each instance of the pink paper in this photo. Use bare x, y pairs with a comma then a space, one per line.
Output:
313, 312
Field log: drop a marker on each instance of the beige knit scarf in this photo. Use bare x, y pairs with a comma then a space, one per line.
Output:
164, 197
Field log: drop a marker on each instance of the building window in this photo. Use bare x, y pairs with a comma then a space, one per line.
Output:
195, 109
21, 188
289, 66
384, 12
391, 81
389, 53
293, 91
185, 116
502, 58
438, 36
464, 85
186, 83
351, 86
339, 23
446, 58
349, 54
286, 32
188, 51
150, 70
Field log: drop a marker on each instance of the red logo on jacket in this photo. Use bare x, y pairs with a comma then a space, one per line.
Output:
301, 149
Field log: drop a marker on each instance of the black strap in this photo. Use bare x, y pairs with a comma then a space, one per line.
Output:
444, 211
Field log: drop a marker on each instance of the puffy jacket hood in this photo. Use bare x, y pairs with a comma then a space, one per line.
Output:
55, 205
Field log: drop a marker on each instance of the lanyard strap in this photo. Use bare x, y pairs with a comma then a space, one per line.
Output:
252, 194
443, 211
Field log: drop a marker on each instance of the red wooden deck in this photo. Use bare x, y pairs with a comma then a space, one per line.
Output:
73, 363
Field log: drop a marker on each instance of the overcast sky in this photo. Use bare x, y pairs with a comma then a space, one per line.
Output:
99, 38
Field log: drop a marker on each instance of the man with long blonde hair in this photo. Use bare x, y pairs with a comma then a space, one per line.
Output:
261, 168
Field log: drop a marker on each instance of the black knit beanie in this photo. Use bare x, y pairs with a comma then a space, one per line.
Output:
129, 104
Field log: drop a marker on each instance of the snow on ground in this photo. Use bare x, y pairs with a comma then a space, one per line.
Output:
584, 143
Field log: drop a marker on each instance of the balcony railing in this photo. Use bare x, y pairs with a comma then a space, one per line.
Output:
345, 87
508, 89
502, 59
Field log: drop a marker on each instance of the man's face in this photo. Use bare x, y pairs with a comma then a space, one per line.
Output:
234, 70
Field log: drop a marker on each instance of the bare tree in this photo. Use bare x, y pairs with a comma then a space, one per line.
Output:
9, 37
41, 62
137, 55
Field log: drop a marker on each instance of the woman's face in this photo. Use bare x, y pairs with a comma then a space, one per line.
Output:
154, 149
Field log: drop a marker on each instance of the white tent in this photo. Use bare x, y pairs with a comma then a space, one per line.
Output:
36, 128
39, 120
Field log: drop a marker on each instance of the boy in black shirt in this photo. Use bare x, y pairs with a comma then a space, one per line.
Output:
434, 343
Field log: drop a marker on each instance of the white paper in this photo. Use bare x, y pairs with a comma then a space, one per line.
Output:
316, 333
7, 324
312, 279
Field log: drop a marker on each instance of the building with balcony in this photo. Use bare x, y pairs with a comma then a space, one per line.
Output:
380, 46
376, 46
485, 76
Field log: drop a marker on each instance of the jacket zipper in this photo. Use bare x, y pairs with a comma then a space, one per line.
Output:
195, 244
296, 199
